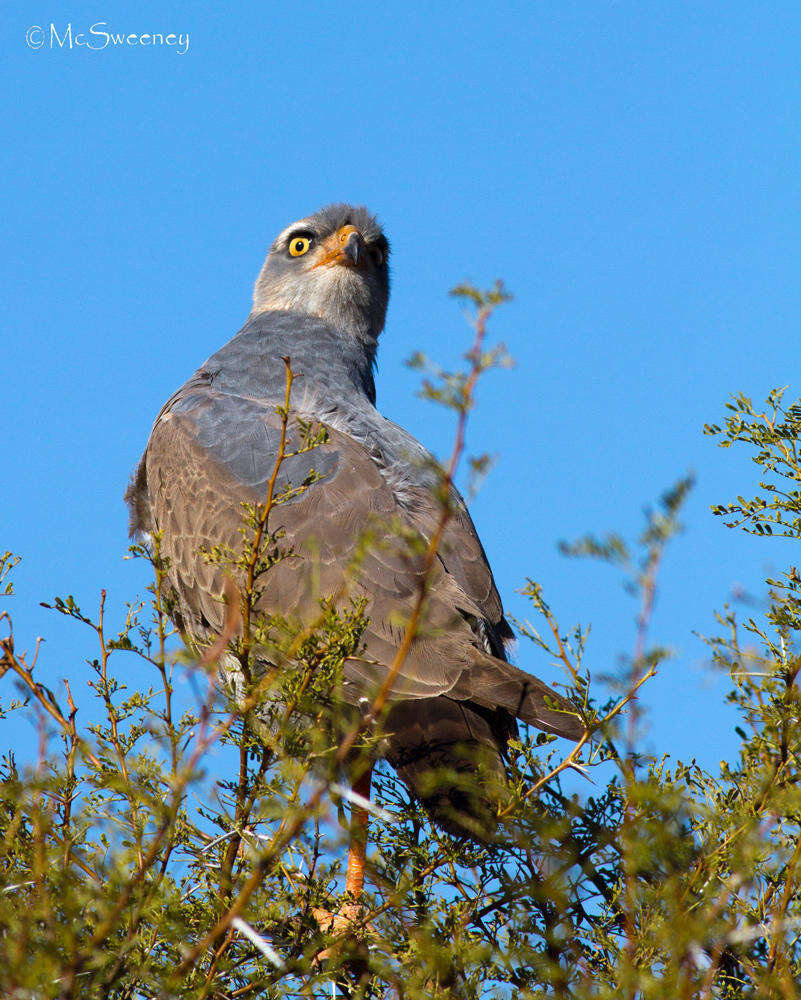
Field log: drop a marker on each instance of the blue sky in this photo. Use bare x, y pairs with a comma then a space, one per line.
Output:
629, 169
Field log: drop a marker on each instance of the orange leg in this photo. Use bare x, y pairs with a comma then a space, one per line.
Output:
341, 923
357, 851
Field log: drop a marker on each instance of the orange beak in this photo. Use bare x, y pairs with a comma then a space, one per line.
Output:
345, 247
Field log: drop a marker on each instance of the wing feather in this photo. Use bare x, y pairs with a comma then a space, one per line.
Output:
211, 451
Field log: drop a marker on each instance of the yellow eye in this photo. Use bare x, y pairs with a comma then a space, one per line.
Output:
299, 245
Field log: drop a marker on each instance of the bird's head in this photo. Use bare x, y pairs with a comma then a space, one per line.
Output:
334, 265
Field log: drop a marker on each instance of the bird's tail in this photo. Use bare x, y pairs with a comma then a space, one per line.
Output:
496, 683
449, 754
449, 750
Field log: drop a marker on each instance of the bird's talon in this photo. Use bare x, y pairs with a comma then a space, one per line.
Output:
340, 924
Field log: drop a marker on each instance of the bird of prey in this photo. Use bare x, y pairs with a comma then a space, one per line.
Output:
321, 300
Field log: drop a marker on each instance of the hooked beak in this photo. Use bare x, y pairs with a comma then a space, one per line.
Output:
345, 247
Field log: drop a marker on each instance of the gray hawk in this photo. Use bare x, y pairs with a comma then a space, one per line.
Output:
321, 300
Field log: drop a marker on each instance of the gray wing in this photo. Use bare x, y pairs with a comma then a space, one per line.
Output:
461, 550
210, 451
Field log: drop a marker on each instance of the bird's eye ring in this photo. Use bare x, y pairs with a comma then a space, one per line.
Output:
378, 257
299, 245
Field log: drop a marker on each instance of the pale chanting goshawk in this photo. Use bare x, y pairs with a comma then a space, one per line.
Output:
321, 300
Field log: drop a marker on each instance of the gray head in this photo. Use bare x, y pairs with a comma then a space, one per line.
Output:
333, 264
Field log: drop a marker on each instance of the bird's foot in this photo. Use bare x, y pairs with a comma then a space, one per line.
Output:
343, 925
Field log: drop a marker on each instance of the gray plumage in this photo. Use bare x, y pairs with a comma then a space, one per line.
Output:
214, 445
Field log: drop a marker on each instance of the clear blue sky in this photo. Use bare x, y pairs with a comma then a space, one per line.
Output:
629, 169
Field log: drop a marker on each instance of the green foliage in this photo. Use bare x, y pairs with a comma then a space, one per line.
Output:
7, 564
188, 842
774, 434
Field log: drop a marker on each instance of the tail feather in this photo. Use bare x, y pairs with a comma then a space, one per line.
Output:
495, 683
449, 750
449, 754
